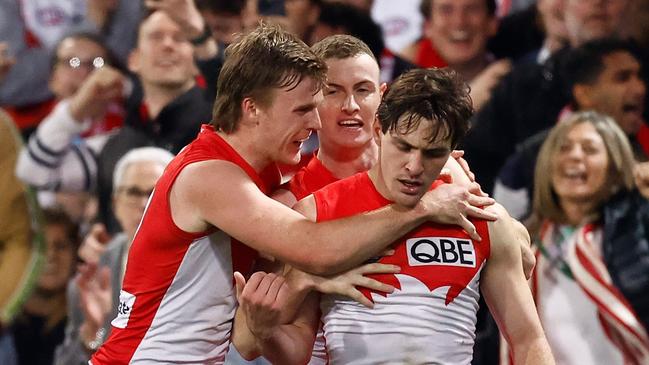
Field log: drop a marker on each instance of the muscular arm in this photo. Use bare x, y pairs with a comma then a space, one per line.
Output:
219, 193
508, 296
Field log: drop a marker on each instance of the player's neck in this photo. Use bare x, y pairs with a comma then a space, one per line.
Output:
379, 184
347, 162
241, 142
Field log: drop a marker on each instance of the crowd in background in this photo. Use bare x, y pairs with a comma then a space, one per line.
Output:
96, 96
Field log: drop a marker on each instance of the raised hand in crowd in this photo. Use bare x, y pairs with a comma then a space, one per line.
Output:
94, 245
183, 12
104, 85
95, 297
641, 175
187, 16
6, 61
99, 11
483, 84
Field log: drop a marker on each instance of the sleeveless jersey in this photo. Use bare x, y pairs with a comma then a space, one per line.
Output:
430, 317
312, 177
177, 301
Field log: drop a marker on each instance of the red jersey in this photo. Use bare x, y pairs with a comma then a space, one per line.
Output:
177, 301
431, 316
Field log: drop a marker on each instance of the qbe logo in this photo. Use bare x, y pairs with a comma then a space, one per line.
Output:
126, 301
446, 251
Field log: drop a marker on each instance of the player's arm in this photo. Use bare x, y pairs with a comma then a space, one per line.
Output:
221, 194
261, 302
508, 295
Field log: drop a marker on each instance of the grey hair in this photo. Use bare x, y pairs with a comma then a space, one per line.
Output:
141, 154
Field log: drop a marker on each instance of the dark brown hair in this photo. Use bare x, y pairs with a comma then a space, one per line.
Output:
433, 94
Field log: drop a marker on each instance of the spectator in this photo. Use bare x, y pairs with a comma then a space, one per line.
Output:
92, 296
529, 99
88, 91
224, 17
33, 28
39, 327
455, 35
603, 75
169, 107
592, 272
532, 34
301, 17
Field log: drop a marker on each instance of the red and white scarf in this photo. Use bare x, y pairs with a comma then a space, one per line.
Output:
618, 319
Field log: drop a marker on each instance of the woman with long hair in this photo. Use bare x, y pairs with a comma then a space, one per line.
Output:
591, 281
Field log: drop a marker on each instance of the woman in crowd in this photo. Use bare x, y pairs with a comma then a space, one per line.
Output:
592, 275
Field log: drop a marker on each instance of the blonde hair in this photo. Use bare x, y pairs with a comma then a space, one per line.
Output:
620, 174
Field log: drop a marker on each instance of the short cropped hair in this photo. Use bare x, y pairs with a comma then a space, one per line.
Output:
585, 64
434, 94
265, 59
620, 174
141, 154
341, 46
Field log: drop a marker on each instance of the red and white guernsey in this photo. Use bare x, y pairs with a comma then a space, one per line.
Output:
431, 316
314, 176
177, 301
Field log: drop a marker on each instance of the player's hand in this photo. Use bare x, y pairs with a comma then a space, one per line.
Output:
453, 204
458, 155
94, 244
99, 11
346, 283
262, 299
96, 92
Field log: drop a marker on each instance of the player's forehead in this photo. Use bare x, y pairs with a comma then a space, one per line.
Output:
305, 90
421, 132
355, 68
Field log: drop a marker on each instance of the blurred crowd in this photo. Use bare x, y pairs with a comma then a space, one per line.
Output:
97, 96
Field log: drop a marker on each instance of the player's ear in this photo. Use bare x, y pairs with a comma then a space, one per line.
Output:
376, 130
249, 110
382, 89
